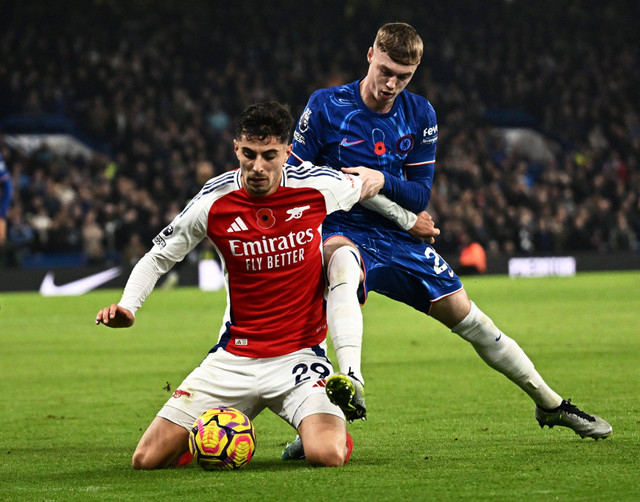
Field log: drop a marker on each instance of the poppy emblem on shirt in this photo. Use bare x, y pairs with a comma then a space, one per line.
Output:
379, 148
405, 144
265, 218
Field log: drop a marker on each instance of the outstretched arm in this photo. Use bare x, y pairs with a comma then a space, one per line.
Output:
141, 282
171, 246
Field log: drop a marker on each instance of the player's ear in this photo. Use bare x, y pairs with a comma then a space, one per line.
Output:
289, 150
235, 146
370, 55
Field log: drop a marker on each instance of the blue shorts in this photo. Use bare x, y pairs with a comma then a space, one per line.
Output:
400, 267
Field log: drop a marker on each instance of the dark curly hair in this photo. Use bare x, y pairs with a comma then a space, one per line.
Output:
262, 120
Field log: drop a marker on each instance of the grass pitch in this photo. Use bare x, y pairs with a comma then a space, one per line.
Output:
442, 425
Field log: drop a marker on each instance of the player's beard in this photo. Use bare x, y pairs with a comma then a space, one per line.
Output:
258, 185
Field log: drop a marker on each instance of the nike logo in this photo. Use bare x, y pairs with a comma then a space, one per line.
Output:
346, 143
334, 287
498, 337
79, 287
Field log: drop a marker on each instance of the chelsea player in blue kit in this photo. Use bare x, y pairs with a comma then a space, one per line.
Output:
376, 122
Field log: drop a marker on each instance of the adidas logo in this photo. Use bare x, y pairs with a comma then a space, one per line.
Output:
320, 383
237, 226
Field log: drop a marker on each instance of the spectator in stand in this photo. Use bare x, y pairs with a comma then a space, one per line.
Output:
159, 100
622, 237
6, 195
92, 238
20, 235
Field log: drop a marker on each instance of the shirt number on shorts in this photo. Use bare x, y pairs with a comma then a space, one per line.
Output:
439, 265
301, 370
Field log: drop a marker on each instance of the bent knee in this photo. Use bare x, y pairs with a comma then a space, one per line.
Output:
142, 461
328, 456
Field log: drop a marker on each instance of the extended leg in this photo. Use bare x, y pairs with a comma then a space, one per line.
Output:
505, 355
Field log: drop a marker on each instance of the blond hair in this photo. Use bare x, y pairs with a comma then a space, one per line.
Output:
401, 42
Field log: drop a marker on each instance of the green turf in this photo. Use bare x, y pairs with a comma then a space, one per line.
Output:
442, 425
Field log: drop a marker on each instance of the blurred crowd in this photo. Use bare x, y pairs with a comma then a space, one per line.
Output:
158, 85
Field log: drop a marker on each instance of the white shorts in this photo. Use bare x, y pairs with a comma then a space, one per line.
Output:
292, 386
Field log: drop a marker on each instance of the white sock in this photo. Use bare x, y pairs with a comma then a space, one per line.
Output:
344, 316
505, 355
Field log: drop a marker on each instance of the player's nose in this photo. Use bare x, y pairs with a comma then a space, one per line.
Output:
258, 165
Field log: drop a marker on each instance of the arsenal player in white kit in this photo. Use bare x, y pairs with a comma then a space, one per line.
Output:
264, 220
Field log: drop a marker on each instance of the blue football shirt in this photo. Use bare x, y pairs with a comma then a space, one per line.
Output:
337, 129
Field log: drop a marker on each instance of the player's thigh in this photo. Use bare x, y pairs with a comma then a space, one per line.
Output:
413, 274
162, 442
222, 379
451, 309
324, 437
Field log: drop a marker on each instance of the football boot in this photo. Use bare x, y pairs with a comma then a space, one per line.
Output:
347, 392
569, 415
